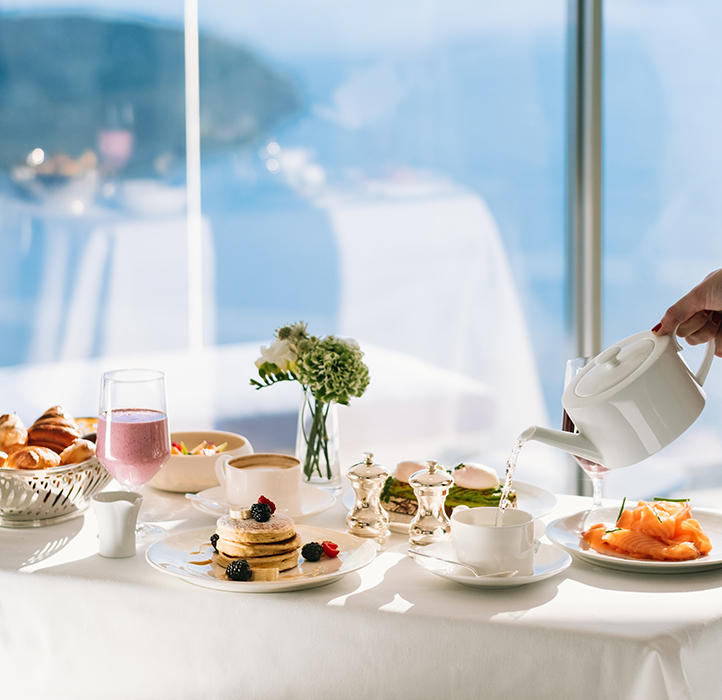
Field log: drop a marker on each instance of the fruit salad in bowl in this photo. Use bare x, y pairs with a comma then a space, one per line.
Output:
192, 464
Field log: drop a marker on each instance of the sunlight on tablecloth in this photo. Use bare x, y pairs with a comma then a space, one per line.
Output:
372, 576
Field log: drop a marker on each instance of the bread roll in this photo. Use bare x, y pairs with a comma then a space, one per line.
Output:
78, 452
55, 429
13, 433
32, 458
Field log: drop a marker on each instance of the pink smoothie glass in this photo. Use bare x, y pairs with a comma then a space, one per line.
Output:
133, 438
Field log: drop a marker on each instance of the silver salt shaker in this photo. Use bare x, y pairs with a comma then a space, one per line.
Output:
431, 486
367, 518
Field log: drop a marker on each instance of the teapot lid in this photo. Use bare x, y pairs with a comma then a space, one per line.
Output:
614, 365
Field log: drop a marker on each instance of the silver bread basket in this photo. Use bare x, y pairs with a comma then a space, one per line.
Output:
33, 498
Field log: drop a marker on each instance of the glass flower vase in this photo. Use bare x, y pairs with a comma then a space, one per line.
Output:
317, 443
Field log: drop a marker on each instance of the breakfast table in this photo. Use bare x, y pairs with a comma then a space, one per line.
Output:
75, 625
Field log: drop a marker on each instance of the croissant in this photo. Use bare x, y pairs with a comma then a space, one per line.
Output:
32, 458
13, 433
55, 429
78, 452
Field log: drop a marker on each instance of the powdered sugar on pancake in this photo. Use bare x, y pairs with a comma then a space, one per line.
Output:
278, 527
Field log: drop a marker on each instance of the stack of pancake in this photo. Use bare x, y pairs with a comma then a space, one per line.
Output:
273, 544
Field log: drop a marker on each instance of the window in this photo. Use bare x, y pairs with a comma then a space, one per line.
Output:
392, 172
662, 144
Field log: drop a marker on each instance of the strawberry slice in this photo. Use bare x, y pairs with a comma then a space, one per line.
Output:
269, 503
330, 549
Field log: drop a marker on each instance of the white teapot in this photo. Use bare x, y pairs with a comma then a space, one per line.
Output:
630, 401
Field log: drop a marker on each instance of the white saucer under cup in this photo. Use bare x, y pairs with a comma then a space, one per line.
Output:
548, 561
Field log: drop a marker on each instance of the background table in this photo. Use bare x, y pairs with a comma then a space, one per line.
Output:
74, 626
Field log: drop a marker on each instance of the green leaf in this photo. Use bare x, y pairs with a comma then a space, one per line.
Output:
621, 510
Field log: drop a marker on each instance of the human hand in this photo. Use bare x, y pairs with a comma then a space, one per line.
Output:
698, 314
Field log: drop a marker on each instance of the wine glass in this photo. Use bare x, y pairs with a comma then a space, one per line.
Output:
595, 472
133, 440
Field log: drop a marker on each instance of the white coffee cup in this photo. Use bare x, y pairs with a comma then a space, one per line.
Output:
477, 540
117, 514
246, 478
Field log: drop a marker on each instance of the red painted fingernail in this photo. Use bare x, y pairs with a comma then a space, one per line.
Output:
716, 317
656, 328
707, 312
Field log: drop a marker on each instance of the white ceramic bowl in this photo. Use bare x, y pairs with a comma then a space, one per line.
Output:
193, 473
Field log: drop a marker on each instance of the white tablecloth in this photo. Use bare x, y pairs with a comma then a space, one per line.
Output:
74, 626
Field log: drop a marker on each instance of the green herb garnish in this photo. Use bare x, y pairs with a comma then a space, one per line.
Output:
621, 510
672, 500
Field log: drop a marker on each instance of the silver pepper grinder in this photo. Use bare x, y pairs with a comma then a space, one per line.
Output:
367, 518
431, 486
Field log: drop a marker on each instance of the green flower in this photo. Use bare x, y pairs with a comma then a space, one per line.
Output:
293, 334
332, 369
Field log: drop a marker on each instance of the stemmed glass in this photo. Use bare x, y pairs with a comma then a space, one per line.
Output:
133, 439
596, 472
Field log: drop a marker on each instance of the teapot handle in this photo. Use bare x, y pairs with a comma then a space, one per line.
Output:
706, 360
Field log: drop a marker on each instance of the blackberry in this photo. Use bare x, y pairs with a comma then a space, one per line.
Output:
312, 551
261, 512
214, 541
239, 570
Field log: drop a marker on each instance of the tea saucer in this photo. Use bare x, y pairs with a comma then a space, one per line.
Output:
314, 500
548, 561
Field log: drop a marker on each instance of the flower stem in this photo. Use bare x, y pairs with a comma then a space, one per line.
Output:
316, 439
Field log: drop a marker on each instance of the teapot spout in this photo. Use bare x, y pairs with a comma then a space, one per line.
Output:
573, 443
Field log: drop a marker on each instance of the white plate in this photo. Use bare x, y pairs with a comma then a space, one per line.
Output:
566, 532
314, 500
190, 556
548, 561
532, 499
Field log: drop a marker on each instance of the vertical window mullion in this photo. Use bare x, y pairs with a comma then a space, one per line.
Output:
584, 182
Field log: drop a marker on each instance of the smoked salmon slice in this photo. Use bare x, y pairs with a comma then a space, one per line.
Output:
658, 530
640, 545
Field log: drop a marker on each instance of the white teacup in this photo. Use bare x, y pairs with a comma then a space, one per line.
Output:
477, 540
246, 478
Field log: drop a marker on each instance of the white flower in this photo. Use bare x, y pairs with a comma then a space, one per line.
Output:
281, 353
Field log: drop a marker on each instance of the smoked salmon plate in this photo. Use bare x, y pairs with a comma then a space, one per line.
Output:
658, 530
659, 536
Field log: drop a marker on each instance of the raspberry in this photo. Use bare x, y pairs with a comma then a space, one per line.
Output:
214, 540
312, 551
269, 503
261, 512
238, 570
330, 549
